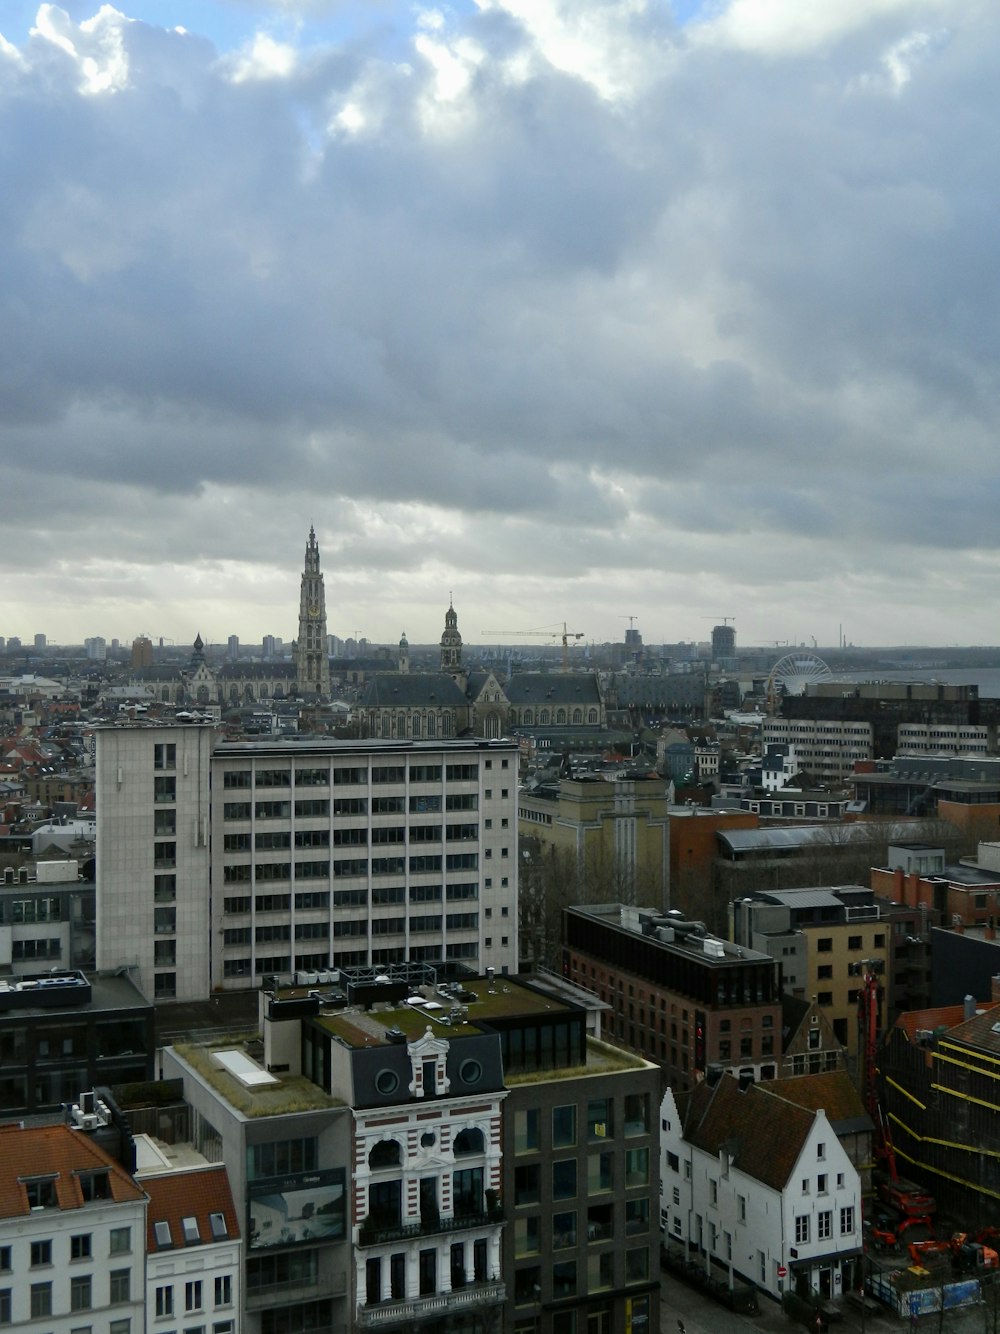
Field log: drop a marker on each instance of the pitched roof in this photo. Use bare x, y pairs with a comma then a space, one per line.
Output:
60, 1153
764, 1135
412, 690
196, 1194
832, 1091
553, 688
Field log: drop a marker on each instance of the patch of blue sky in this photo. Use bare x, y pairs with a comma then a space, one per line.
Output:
229, 24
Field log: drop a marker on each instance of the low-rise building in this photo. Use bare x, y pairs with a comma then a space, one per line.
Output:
72, 1234
762, 1185
194, 1268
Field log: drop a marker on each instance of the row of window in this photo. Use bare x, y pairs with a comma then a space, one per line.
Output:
347, 806
348, 867
573, 1226
352, 775
81, 1295
568, 1280
824, 1225
565, 1177
194, 1296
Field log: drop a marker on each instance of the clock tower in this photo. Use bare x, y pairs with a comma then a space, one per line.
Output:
312, 661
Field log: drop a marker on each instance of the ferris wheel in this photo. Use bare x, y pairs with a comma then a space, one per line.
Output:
792, 674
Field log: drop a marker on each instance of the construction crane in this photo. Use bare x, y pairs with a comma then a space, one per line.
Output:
546, 632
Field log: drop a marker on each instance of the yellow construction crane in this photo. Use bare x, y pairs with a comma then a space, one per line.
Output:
545, 632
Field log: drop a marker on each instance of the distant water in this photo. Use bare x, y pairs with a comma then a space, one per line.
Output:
986, 678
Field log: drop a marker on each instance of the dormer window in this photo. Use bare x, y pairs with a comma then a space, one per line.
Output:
95, 1185
191, 1234
41, 1192
217, 1222
161, 1231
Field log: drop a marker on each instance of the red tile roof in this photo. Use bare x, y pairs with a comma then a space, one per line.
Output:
944, 1016
174, 1196
59, 1152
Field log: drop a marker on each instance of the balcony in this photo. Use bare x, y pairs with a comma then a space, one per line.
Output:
375, 1230
414, 1309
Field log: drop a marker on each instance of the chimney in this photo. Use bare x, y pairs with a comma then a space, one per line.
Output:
969, 1007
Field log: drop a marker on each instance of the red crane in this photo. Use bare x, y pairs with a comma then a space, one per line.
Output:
909, 1199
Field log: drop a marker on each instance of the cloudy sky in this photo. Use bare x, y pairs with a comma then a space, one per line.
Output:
581, 309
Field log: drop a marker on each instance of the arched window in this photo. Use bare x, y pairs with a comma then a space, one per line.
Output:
578, 715
592, 716
432, 724
386, 1153
203, 694
446, 725
560, 716
543, 718
234, 694
469, 1141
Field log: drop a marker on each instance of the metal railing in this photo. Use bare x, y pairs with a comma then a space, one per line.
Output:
492, 1293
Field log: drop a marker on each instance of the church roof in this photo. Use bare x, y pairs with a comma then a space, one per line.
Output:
412, 690
555, 688
257, 671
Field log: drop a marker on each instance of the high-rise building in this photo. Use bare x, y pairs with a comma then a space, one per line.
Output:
40, 643
142, 651
723, 642
312, 663
268, 645
220, 863
96, 648
233, 647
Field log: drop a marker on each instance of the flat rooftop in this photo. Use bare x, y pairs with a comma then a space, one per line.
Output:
292, 1093
429, 1007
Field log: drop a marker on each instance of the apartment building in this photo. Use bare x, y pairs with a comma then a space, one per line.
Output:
222, 863
824, 939
678, 996
72, 1233
194, 1269
453, 1159
826, 748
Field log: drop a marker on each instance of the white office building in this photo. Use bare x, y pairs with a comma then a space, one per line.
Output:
220, 863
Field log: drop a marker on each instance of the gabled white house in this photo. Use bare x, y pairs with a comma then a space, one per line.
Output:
760, 1184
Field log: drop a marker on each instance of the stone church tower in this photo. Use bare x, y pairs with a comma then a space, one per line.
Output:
312, 661
451, 643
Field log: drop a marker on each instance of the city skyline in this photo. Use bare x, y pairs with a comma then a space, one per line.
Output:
581, 310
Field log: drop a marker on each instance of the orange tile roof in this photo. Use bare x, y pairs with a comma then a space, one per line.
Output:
55, 1151
196, 1194
944, 1016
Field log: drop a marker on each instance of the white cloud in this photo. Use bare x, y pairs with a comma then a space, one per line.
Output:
263, 58
555, 305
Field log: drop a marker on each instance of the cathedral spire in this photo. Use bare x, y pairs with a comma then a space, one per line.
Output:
312, 661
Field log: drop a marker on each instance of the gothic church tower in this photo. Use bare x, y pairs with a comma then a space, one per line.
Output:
312, 662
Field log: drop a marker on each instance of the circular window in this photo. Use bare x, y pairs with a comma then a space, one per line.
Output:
470, 1072
427, 1139
387, 1081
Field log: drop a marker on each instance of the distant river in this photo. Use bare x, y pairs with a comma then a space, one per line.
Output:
986, 678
